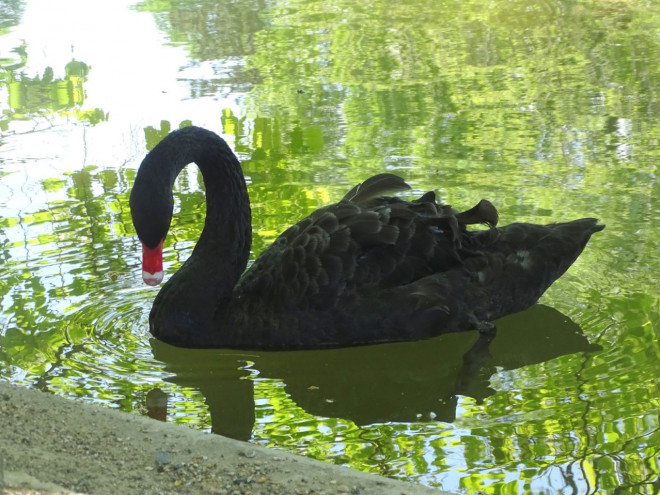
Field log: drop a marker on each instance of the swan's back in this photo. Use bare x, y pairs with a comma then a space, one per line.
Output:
374, 268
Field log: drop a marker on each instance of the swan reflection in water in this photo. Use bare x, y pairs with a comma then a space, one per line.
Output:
400, 382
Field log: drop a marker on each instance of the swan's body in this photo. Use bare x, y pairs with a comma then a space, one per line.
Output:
365, 270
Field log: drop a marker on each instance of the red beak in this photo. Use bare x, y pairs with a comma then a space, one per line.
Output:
152, 264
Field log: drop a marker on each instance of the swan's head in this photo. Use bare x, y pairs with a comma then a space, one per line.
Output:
151, 211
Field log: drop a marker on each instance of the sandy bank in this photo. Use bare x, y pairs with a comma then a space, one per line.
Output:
50, 444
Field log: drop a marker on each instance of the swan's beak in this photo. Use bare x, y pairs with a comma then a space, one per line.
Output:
152, 264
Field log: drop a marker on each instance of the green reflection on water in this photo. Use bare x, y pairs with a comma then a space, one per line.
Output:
547, 109
44, 95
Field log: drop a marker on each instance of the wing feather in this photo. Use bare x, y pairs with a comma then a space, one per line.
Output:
378, 185
366, 242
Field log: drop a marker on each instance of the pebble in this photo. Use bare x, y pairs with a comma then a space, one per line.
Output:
163, 458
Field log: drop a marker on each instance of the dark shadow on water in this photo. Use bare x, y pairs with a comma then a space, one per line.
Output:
400, 382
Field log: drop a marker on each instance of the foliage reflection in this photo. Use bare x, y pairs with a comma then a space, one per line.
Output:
546, 108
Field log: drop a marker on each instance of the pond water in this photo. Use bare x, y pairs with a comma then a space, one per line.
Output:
547, 108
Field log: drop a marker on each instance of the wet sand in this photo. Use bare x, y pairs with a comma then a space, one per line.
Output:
53, 445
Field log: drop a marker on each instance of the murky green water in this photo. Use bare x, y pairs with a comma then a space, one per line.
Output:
548, 109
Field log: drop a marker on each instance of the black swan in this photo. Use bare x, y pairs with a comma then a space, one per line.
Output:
368, 269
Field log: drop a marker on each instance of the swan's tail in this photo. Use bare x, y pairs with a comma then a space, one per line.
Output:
507, 274
526, 259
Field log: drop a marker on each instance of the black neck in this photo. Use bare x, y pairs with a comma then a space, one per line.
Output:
206, 280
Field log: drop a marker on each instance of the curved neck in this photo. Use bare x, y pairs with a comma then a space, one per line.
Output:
223, 247
206, 280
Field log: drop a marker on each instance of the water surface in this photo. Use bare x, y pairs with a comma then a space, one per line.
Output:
548, 109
